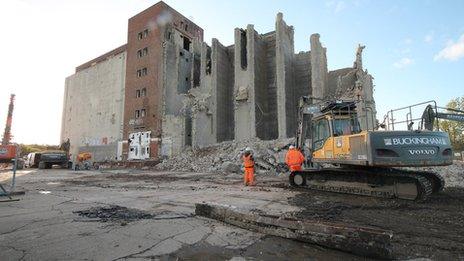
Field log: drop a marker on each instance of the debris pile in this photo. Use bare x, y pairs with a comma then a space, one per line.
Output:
114, 213
453, 175
226, 157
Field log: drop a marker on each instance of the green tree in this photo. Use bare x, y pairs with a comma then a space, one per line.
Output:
453, 128
28, 148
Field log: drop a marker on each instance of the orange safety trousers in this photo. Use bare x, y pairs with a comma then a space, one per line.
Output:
249, 177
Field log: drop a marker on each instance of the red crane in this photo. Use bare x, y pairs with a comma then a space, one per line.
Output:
8, 151
7, 134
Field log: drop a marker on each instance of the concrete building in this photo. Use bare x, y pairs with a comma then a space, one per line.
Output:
180, 92
93, 106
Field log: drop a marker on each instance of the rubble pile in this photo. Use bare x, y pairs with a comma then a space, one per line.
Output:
226, 157
453, 175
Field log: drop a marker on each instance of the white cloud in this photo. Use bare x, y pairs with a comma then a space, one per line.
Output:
452, 52
429, 37
403, 62
337, 6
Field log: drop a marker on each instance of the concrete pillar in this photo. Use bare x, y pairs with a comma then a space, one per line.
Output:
319, 74
244, 94
286, 95
202, 97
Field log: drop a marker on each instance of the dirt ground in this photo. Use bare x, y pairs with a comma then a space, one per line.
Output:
129, 214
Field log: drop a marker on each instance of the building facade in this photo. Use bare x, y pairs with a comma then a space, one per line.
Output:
178, 91
93, 106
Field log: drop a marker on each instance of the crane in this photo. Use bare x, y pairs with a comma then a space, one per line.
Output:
8, 151
9, 119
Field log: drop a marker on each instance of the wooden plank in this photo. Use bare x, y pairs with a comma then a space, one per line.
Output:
362, 241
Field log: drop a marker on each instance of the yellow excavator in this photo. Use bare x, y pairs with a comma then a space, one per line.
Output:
346, 159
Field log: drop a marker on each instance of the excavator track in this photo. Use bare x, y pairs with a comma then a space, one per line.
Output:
378, 182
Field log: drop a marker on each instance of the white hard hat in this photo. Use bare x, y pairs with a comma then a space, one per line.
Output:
291, 147
247, 149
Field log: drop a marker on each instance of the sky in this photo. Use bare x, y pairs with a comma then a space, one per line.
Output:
414, 49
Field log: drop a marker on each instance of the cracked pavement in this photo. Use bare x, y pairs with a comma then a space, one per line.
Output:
43, 225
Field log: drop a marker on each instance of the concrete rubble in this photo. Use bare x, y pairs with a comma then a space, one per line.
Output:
225, 157
453, 175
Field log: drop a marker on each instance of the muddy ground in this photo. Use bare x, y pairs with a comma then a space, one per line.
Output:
128, 214
433, 229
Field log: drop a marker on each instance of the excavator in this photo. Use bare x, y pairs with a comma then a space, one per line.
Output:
344, 158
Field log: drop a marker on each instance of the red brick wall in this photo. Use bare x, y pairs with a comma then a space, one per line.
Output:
151, 19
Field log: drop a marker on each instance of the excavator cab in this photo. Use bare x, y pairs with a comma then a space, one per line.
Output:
338, 119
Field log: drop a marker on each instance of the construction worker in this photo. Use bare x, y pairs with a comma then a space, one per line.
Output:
294, 159
249, 164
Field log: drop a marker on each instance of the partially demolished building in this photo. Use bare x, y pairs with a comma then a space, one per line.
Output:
180, 92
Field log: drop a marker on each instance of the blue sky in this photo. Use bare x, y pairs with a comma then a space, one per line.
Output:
414, 49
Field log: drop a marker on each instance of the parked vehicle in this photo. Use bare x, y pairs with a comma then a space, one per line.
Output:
53, 157
32, 160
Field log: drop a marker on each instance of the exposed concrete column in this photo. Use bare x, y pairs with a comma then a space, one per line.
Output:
286, 100
244, 93
319, 74
202, 102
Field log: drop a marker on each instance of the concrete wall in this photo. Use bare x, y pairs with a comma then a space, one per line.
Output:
302, 74
223, 80
244, 94
177, 81
319, 73
203, 129
93, 107
286, 88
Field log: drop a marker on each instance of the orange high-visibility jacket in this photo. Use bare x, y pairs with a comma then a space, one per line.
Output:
248, 161
294, 158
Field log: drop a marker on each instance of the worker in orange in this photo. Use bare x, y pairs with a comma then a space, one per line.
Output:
294, 159
249, 164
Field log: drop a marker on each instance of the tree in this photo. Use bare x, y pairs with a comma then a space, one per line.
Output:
453, 128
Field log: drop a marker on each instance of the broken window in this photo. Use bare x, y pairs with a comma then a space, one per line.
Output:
143, 93
137, 93
142, 72
187, 43
142, 52
243, 49
137, 114
142, 34
142, 113
208, 61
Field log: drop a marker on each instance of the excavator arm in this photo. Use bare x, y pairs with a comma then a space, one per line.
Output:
431, 114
